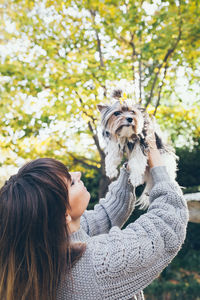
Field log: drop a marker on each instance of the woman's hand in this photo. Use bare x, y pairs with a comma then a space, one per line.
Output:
154, 156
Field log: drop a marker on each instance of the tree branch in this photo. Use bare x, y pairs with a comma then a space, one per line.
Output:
133, 55
124, 40
167, 55
140, 62
92, 130
84, 111
96, 141
140, 71
82, 161
93, 13
160, 89
102, 85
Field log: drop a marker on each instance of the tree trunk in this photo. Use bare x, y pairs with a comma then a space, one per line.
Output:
103, 186
104, 180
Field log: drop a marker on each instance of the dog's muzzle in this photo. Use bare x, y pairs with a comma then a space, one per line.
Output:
126, 130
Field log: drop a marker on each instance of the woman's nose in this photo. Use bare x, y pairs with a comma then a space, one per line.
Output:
77, 175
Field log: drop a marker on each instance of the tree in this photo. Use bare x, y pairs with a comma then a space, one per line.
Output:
67, 56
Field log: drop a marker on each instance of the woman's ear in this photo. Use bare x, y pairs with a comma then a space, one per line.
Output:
68, 218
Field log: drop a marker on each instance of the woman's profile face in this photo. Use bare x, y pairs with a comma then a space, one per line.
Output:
78, 196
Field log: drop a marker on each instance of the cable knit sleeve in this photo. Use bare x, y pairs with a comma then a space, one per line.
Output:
126, 261
114, 210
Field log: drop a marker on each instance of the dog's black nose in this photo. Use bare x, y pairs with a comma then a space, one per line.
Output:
129, 120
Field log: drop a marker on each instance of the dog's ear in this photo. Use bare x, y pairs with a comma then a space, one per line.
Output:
142, 109
138, 106
101, 107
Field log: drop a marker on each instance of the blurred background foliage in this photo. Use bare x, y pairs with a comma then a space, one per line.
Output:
59, 59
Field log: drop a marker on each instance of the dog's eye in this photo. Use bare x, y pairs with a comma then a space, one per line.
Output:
107, 133
117, 113
133, 112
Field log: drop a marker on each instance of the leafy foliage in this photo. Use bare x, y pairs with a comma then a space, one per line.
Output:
189, 169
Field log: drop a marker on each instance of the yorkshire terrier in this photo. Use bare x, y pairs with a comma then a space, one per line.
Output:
125, 131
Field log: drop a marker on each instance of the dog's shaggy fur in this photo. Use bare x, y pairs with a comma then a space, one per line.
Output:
125, 129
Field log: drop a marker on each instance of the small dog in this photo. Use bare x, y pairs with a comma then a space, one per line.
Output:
125, 130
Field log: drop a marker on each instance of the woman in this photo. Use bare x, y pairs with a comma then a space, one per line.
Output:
52, 248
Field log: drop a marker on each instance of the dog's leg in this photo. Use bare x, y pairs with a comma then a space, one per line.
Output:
169, 160
113, 159
143, 200
137, 164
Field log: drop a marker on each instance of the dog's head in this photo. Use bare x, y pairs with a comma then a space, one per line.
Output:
122, 119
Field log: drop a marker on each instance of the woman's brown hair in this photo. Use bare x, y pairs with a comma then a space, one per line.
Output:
35, 249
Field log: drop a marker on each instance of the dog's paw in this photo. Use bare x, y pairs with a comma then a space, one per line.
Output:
143, 201
136, 180
112, 173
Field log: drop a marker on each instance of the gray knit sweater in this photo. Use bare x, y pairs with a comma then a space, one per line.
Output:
118, 264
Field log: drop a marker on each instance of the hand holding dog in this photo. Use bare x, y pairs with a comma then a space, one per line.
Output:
154, 157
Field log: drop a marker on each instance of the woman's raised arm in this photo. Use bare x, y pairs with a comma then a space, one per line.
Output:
114, 210
126, 261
